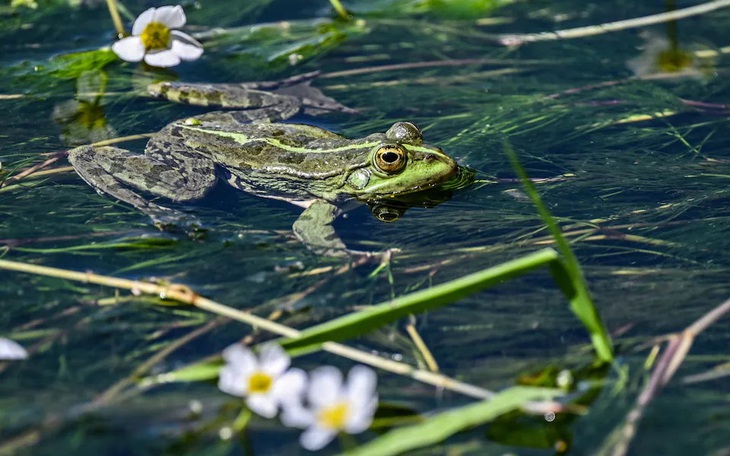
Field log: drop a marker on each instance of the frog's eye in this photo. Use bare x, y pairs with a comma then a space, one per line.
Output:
390, 159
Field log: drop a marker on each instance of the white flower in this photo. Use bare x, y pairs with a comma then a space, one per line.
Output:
264, 381
154, 39
333, 406
11, 350
660, 55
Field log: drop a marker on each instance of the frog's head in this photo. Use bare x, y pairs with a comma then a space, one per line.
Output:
401, 164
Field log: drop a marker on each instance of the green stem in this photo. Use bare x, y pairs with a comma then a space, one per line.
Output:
672, 31
242, 420
341, 11
114, 12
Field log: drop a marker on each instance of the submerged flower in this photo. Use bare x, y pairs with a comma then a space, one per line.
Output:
10, 349
334, 407
83, 119
265, 382
154, 39
661, 54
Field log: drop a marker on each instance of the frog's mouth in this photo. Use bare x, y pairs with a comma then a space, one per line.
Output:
463, 178
390, 208
454, 179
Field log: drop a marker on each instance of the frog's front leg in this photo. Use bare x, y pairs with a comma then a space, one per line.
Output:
314, 229
176, 174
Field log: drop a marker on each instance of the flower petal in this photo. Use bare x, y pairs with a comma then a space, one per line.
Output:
185, 46
184, 37
130, 49
361, 417
289, 388
232, 381
325, 386
361, 383
162, 59
142, 21
241, 358
9, 349
274, 360
295, 415
316, 438
263, 404
172, 16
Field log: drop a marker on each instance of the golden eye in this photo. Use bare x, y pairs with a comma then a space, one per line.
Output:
390, 159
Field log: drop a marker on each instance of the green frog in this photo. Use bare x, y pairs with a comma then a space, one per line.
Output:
308, 166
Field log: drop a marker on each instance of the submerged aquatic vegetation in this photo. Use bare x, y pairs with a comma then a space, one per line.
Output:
647, 194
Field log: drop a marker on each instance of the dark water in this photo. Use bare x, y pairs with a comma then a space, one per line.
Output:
644, 200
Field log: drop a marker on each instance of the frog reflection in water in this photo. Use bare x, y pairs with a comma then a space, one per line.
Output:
304, 165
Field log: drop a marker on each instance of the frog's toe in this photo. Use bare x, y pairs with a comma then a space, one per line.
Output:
171, 220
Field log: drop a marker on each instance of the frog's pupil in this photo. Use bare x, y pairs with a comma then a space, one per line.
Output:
390, 157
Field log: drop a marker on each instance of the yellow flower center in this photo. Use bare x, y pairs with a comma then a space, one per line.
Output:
156, 36
673, 60
260, 383
334, 417
91, 115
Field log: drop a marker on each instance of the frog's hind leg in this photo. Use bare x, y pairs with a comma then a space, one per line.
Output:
117, 171
255, 105
174, 171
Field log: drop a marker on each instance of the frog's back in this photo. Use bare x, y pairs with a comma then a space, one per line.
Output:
295, 150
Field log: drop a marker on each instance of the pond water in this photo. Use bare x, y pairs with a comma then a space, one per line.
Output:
625, 134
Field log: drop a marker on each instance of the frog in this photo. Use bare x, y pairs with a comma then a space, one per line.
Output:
249, 147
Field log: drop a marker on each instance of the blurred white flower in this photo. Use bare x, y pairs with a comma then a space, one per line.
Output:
333, 406
660, 54
154, 40
10, 349
265, 382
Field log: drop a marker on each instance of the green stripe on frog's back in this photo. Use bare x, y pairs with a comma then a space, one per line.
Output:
244, 139
298, 151
366, 144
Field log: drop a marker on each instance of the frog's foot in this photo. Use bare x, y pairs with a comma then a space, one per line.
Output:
313, 101
314, 229
299, 86
166, 219
362, 257
177, 223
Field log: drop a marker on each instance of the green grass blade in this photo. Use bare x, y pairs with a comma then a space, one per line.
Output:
567, 271
439, 427
196, 372
360, 322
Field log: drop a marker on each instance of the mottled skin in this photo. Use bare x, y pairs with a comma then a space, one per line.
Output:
304, 165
